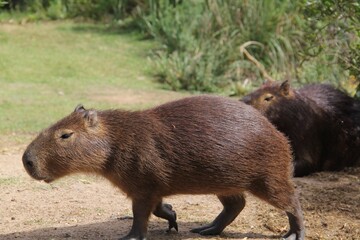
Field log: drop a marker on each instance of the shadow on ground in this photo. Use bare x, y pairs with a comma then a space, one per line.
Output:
115, 229
337, 192
109, 29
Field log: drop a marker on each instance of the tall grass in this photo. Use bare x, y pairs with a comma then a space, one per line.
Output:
230, 46
201, 41
60, 9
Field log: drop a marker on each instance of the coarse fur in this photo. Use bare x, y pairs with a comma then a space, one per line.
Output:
321, 122
197, 145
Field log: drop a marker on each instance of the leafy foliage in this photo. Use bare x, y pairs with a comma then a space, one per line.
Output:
332, 34
306, 41
231, 46
202, 52
88, 9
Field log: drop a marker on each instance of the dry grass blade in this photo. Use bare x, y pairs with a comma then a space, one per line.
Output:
253, 59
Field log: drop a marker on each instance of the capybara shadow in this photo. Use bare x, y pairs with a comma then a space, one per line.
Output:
321, 122
196, 145
110, 230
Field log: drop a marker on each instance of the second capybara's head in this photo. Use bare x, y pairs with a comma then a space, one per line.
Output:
268, 95
76, 143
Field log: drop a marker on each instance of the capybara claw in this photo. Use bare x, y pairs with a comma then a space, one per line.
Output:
173, 225
294, 237
291, 237
199, 229
172, 222
210, 229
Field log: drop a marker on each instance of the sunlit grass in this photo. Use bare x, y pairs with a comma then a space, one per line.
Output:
46, 69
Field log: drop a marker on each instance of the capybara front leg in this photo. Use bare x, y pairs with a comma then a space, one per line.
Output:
142, 209
165, 211
233, 205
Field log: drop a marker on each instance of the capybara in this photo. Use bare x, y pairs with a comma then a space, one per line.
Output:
197, 145
321, 122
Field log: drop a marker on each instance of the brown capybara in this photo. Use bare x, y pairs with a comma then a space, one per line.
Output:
197, 145
321, 122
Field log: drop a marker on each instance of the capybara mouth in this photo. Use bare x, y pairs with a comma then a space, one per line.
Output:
41, 178
48, 180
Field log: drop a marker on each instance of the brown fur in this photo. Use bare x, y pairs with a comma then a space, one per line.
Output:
197, 145
322, 123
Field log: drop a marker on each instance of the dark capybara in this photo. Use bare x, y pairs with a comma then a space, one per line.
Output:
321, 122
197, 145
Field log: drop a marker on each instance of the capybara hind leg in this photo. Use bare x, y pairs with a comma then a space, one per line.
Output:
165, 211
232, 207
297, 230
281, 194
142, 209
294, 213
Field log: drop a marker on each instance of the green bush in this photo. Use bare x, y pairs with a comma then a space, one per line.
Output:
305, 41
332, 34
231, 46
88, 9
201, 41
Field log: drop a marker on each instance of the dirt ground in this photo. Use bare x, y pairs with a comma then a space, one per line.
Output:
88, 207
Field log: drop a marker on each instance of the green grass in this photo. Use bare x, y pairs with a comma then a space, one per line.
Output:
9, 181
47, 68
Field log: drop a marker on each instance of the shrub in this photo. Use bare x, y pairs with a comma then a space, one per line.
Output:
305, 41
332, 34
202, 53
230, 46
88, 9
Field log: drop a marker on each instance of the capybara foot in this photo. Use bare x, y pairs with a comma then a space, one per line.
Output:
297, 231
294, 235
172, 217
209, 229
232, 207
164, 210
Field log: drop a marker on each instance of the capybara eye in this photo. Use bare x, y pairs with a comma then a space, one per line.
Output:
269, 98
66, 135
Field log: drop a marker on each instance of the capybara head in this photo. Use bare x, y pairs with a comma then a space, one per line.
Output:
269, 94
76, 143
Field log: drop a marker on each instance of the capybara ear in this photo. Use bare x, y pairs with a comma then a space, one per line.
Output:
79, 108
91, 118
285, 88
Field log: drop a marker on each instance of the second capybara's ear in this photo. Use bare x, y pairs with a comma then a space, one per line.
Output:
285, 88
79, 108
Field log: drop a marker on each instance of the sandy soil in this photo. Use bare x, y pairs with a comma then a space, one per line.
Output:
88, 207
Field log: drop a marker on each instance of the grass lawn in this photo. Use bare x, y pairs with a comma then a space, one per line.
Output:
47, 68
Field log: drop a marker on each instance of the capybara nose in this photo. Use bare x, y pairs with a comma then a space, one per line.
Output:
29, 164
28, 161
